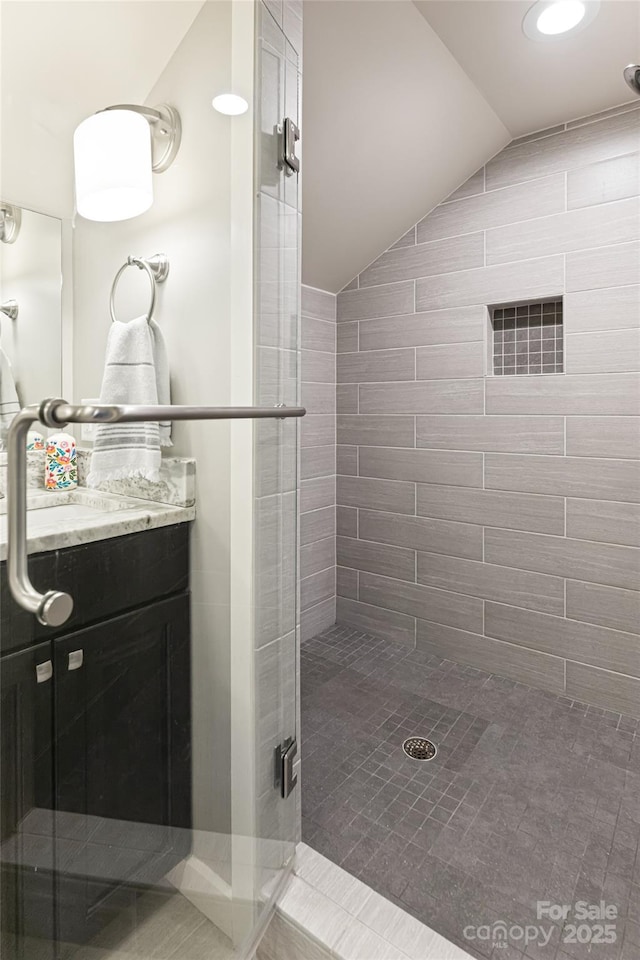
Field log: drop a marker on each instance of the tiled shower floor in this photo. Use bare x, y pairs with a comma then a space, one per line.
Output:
531, 797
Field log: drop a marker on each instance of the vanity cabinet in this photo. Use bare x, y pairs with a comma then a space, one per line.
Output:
27, 842
96, 747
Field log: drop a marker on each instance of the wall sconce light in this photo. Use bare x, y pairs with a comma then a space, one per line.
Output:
115, 153
10, 309
10, 222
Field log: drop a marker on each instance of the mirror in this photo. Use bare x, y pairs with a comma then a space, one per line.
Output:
31, 299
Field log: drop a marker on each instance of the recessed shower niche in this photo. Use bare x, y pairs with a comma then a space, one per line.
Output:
527, 338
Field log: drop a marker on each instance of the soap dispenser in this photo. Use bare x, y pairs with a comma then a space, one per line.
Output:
61, 464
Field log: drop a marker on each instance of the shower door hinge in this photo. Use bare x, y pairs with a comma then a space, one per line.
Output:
289, 136
285, 779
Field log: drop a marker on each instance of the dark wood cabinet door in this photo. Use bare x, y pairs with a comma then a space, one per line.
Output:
27, 837
122, 759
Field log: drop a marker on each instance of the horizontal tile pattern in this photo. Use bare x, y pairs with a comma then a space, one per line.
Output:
347, 521
439, 536
613, 351
376, 366
362, 555
346, 398
427, 396
457, 325
564, 151
347, 583
603, 182
372, 619
316, 556
393, 431
318, 334
565, 232
318, 462
496, 284
318, 398
537, 198
507, 660
317, 568
347, 337
544, 435
347, 460
617, 437
613, 691
617, 566
545, 465
425, 260
604, 520
584, 477
317, 430
608, 395
613, 266
317, 524
393, 495
608, 606
610, 308
318, 367
317, 618
424, 466
516, 511
448, 361
386, 301
535, 591
317, 492
318, 303
318, 587
414, 600
563, 638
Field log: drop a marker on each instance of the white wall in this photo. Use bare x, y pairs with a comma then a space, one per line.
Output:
392, 125
190, 221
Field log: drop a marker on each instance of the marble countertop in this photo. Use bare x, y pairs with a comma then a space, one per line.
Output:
67, 518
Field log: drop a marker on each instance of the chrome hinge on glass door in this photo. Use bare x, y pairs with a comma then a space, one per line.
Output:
289, 136
285, 755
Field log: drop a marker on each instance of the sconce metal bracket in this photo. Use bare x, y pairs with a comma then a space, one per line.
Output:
10, 222
10, 309
166, 131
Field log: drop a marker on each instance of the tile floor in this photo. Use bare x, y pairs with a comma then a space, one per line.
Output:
163, 925
531, 797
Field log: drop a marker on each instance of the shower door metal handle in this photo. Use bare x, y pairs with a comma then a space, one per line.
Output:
53, 608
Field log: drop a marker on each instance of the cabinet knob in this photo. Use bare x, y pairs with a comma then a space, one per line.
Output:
75, 660
44, 671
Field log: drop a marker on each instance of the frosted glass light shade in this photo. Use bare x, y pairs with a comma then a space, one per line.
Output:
112, 157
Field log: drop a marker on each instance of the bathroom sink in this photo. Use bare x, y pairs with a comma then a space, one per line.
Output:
64, 518
65, 509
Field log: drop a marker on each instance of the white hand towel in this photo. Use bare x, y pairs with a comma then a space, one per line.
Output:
9, 402
161, 359
124, 450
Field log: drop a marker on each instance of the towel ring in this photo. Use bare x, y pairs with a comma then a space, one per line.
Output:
156, 268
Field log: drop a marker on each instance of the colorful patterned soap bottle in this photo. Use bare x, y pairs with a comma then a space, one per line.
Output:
61, 466
35, 441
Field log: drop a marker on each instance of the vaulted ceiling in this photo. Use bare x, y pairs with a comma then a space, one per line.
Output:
402, 101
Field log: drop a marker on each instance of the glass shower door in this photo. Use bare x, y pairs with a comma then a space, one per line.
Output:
275, 467
147, 769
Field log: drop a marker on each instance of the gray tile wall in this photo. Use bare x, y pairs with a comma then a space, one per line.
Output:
318, 462
496, 520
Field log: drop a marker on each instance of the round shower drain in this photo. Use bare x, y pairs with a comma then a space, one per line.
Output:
419, 749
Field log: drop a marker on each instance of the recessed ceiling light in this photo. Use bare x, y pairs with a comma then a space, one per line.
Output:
230, 104
556, 19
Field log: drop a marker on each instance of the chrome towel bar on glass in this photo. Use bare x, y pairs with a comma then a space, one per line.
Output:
156, 268
54, 608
